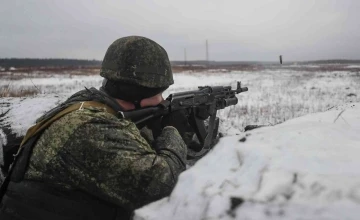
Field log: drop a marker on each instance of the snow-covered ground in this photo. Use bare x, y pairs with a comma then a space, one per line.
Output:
274, 96
305, 168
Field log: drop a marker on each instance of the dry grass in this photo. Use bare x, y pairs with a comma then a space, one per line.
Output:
47, 73
7, 92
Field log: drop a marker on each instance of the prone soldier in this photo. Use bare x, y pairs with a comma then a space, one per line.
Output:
83, 161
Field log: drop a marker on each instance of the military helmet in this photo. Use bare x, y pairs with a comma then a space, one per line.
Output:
138, 61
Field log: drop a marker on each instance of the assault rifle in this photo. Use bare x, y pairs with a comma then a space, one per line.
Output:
199, 105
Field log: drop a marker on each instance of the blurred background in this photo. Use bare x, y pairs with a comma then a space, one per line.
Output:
236, 30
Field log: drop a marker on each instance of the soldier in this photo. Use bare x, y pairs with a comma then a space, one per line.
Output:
90, 163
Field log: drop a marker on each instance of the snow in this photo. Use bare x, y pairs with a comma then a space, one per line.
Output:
24, 112
274, 96
3, 142
304, 168
51, 83
3, 139
353, 66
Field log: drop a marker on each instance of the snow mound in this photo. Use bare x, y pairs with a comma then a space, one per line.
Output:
21, 113
305, 168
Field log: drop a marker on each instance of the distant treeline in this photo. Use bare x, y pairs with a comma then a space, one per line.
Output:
36, 63
338, 61
235, 63
29, 63
217, 63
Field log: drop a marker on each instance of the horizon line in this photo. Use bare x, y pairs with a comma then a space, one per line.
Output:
196, 60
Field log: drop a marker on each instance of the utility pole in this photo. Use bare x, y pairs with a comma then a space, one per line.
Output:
207, 54
185, 57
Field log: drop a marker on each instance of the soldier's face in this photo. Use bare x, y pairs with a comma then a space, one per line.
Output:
152, 101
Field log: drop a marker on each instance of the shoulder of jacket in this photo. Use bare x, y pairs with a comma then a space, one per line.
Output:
92, 113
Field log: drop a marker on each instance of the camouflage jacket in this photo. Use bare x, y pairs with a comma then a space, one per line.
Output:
104, 156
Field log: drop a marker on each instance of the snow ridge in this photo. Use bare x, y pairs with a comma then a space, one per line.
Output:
304, 168
3, 140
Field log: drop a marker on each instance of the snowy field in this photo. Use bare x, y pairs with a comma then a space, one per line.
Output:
303, 168
274, 96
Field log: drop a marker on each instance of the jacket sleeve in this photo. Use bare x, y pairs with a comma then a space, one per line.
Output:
111, 160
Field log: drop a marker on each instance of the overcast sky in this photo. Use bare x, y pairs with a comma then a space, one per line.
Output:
249, 30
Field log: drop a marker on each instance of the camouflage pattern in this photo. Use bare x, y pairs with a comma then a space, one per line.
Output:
138, 61
107, 157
